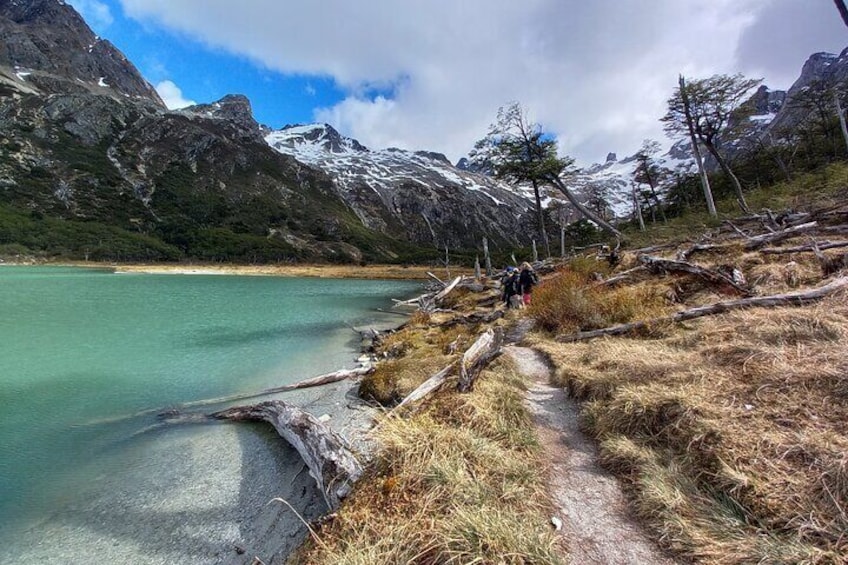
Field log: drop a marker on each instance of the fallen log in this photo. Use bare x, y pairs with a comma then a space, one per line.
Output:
441, 295
830, 265
658, 266
790, 299
686, 254
758, 241
330, 462
804, 248
428, 302
652, 249
442, 283
481, 353
840, 230
430, 385
621, 276
178, 413
474, 319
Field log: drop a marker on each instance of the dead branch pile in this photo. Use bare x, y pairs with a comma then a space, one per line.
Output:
789, 299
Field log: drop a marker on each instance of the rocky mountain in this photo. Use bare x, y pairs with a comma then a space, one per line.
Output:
92, 164
413, 194
49, 46
821, 71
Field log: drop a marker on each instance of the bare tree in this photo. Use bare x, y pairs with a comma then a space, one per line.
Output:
705, 107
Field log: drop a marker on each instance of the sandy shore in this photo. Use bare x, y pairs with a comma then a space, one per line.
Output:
392, 272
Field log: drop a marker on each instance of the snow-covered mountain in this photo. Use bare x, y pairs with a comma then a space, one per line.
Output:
418, 194
613, 179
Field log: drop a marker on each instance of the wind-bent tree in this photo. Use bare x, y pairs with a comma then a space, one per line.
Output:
704, 107
519, 151
649, 172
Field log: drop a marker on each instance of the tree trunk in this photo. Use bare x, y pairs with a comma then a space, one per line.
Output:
603, 224
540, 218
652, 183
487, 258
843, 11
484, 350
325, 453
737, 186
841, 117
562, 241
705, 181
637, 209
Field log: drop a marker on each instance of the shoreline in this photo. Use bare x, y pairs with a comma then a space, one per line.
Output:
377, 271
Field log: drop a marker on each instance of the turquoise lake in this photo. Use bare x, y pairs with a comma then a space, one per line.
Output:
88, 356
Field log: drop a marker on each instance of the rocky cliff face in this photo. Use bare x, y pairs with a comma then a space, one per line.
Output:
48, 45
821, 71
416, 195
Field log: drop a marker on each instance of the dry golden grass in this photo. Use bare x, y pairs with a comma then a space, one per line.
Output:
731, 433
571, 301
458, 483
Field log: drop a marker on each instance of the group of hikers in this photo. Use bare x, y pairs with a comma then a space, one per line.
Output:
517, 285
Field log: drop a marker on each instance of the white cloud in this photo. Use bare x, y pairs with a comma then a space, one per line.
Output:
95, 13
172, 95
596, 74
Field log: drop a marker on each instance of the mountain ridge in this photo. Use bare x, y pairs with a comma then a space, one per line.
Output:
87, 141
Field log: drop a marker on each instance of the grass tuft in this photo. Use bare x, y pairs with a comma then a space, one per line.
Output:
729, 433
461, 482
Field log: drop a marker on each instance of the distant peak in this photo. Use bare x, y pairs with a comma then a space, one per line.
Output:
323, 136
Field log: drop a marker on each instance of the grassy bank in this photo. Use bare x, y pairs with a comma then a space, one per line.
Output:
460, 481
729, 432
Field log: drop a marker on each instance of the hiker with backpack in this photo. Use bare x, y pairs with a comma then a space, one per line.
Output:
510, 286
526, 281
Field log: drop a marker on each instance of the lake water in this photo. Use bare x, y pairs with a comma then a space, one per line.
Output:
86, 358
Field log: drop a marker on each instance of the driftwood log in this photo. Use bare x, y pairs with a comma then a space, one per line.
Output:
759, 241
790, 299
320, 380
330, 462
429, 302
430, 385
485, 349
657, 265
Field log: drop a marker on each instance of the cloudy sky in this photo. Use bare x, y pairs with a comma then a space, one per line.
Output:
431, 74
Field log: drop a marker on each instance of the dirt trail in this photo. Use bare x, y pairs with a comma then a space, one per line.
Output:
596, 527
